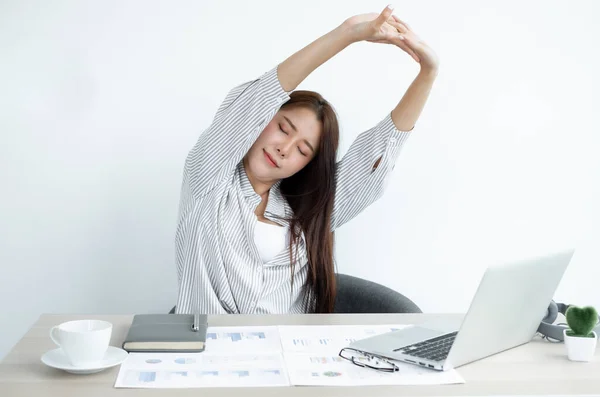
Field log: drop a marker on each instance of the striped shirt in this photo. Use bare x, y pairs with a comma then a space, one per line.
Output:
219, 268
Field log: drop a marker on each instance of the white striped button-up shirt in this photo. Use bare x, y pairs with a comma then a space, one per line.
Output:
219, 268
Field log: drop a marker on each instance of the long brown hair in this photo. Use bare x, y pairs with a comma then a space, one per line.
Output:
310, 193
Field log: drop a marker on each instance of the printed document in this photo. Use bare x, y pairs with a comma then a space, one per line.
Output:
263, 356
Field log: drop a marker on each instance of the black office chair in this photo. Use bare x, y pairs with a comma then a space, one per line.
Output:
357, 295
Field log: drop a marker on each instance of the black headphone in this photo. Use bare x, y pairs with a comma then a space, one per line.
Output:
555, 331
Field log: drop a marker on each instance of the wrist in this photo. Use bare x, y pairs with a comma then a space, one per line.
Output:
347, 32
429, 71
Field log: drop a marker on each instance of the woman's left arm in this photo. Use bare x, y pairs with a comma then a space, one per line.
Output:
408, 110
362, 174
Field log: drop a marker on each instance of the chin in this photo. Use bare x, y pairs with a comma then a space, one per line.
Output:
260, 169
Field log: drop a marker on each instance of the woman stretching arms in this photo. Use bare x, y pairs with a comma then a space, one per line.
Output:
262, 193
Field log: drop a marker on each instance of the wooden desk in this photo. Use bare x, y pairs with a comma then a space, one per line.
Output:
536, 368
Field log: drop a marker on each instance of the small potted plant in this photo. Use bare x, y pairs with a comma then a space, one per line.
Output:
580, 338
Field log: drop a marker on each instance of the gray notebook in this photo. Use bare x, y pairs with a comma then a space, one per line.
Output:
165, 333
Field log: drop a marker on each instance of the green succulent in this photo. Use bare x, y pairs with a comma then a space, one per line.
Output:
581, 321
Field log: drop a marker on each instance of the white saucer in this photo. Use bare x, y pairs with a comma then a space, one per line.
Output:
57, 359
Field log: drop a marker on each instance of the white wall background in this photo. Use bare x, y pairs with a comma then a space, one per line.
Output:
101, 100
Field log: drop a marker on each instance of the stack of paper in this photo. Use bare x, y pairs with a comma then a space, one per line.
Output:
271, 356
234, 357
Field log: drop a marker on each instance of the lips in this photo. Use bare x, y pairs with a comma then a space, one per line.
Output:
270, 159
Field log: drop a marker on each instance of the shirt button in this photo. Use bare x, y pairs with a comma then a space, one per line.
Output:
393, 140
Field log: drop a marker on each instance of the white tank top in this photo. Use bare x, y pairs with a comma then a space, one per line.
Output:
270, 239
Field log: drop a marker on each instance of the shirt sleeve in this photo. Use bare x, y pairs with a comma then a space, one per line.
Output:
238, 122
358, 185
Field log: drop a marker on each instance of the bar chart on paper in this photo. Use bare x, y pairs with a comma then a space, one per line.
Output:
304, 342
202, 370
243, 339
316, 338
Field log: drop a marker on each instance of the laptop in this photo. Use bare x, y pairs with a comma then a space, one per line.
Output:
506, 311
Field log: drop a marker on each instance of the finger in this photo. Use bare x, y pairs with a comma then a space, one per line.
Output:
385, 15
392, 21
411, 53
399, 27
398, 20
409, 43
414, 56
405, 46
402, 22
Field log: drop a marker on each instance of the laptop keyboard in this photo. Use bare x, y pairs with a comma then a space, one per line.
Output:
435, 349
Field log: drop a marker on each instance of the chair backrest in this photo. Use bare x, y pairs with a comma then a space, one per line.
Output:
357, 295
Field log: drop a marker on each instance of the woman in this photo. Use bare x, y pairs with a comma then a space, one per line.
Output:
262, 193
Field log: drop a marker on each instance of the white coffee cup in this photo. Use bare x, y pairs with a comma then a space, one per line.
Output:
84, 341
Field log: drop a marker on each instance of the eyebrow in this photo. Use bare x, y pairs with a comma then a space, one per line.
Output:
295, 129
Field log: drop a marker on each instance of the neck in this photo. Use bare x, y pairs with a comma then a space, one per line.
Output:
260, 187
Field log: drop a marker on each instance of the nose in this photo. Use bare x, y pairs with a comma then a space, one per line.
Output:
284, 149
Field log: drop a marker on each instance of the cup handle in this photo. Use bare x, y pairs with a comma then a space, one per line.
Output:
54, 335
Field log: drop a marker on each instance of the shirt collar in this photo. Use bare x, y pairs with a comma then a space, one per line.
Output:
276, 205
247, 188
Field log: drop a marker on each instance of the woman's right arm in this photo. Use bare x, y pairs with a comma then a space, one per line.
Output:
249, 107
298, 66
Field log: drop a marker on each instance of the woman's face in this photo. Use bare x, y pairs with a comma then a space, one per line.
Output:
290, 139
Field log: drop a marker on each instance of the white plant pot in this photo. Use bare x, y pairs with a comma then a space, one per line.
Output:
579, 348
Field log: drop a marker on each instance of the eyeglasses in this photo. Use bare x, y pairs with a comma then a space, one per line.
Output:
367, 360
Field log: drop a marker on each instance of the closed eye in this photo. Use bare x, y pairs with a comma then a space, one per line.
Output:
281, 129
